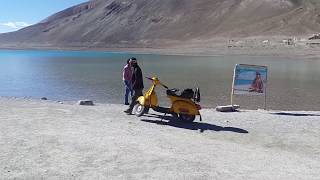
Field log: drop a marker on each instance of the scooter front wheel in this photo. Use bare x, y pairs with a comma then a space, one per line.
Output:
187, 117
139, 109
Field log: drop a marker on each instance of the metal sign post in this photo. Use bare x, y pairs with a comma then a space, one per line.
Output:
265, 92
232, 90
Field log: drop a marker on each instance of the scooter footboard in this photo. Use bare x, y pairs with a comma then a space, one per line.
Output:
162, 109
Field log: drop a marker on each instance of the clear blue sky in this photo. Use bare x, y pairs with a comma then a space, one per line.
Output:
15, 14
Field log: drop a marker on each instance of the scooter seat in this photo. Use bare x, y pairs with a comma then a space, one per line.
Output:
172, 92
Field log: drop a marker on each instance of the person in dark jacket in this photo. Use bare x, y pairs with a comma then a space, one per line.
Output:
137, 83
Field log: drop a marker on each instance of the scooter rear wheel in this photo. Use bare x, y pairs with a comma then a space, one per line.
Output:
175, 115
186, 117
139, 109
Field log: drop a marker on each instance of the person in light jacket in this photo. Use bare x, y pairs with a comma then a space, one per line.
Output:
126, 77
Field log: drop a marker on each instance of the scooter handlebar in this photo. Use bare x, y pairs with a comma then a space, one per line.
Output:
164, 86
149, 78
160, 82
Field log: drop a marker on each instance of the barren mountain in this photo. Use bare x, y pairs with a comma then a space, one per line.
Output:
156, 23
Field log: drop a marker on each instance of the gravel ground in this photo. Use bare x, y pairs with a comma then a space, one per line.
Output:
48, 140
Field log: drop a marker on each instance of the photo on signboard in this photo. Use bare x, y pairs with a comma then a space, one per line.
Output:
250, 79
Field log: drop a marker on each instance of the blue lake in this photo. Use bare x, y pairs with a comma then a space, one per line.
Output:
72, 75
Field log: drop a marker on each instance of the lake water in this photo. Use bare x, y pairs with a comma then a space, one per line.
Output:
73, 75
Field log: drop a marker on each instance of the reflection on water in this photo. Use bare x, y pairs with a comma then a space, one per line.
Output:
60, 75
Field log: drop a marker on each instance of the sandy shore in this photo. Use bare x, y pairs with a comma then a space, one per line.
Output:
48, 140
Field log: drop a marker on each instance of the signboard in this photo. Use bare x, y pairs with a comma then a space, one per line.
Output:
250, 80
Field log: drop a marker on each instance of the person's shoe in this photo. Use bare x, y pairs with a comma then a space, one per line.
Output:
128, 111
126, 104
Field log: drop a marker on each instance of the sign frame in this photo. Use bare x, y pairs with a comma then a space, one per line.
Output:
264, 83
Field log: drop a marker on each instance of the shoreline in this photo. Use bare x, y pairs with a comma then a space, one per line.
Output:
300, 51
74, 103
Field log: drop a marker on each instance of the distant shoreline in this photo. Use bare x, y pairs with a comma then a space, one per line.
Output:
302, 52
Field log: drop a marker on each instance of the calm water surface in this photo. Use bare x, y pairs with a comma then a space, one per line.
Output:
72, 75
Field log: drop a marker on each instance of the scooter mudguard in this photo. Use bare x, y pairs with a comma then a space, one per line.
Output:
185, 107
141, 100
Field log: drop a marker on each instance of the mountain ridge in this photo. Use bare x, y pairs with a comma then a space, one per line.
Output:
157, 23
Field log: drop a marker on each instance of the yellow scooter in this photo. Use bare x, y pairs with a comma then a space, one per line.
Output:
183, 106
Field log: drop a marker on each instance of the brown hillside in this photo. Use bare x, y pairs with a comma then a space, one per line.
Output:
135, 23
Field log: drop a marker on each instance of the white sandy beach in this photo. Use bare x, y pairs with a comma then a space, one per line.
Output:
48, 140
